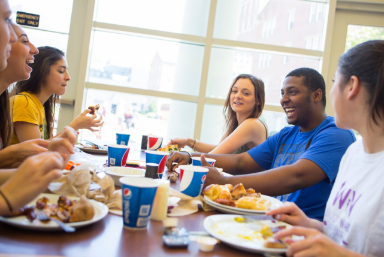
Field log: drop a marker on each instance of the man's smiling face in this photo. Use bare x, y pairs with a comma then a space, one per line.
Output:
296, 101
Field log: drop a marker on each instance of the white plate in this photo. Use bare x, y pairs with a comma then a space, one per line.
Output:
238, 235
234, 210
101, 210
91, 150
118, 172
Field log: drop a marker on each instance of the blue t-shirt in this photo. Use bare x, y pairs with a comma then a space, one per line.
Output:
325, 145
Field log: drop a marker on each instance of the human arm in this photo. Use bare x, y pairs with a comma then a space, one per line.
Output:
249, 131
26, 131
30, 179
274, 182
231, 163
192, 143
315, 243
13, 155
5, 174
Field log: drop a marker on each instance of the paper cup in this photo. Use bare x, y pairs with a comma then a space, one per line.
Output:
196, 161
122, 139
192, 179
137, 195
157, 157
117, 155
154, 142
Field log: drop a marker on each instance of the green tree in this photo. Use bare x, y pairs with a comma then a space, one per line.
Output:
359, 34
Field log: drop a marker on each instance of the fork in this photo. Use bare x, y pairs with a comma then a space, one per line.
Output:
42, 216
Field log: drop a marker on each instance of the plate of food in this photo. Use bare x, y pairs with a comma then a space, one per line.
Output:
238, 200
232, 230
90, 147
74, 211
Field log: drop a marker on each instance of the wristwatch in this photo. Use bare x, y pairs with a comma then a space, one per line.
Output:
190, 156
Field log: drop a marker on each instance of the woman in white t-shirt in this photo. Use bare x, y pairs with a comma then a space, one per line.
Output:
354, 217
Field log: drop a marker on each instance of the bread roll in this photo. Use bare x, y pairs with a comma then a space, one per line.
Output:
238, 191
212, 191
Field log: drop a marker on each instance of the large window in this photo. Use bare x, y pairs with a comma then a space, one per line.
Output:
171, 65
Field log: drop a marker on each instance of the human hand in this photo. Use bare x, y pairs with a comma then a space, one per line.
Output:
291, 214
182, 158
86, 122
32, 178
70, 134
315, 243
64, 143
213, 175
181, 142
28, 148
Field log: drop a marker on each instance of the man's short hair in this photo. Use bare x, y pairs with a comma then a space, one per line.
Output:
313, 80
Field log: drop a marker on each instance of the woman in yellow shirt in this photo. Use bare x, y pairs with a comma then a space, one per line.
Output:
34, 100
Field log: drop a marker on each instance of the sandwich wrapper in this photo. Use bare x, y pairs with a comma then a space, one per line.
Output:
184, 204
78, 182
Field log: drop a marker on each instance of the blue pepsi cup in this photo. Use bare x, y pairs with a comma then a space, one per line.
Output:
196, 161
154, 142
192, 179
117, 155
122, 139
157, 157
137, 195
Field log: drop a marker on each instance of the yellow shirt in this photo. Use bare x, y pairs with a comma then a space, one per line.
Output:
27, 107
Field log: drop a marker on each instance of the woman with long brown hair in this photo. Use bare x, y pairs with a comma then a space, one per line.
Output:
34, 101
244, 130
19, 187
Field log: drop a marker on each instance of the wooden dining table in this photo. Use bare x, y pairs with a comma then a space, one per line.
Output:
108, 237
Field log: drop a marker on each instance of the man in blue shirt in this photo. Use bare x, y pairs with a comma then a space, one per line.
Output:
298, 164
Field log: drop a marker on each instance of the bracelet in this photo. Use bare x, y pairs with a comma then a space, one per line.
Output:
194, 144
6, 200
190, 156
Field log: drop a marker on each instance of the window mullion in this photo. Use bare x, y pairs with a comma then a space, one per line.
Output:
205, 69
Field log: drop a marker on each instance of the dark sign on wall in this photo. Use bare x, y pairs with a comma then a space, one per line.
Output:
27, 19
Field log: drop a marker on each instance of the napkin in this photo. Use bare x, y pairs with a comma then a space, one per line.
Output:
184, 204
78, 181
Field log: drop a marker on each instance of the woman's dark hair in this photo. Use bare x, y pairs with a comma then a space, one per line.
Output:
366, 62
46, 57
5, 119
230, 115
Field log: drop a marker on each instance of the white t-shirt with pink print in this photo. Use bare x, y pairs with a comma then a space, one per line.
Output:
354, 216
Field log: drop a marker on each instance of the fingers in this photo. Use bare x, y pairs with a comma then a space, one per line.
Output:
98, 120
204, 162
86, 111
170, 160
97, 124
300, 248
47, 162
41, 142
170, 143
51, 175
58, 143
298, 231
70, 134
287, 207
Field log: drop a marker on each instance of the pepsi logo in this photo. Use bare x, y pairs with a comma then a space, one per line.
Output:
203, 178
127, 192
